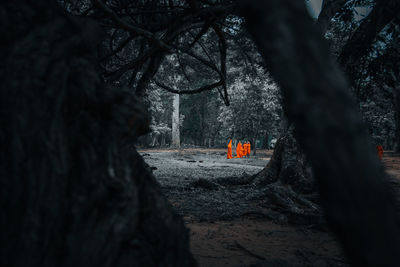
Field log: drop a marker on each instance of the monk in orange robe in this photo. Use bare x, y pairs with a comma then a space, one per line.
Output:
239, 150
229, 156
379, 149
244, 152
248, 148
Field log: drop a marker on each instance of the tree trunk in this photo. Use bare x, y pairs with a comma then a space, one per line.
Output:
354, 190
254, 148
163, 139
176, 141
329, 9
266, 141
288, 183
397, 118
289, 166
72, 193
154, 140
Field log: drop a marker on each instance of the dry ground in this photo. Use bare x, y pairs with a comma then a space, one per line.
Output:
229, 224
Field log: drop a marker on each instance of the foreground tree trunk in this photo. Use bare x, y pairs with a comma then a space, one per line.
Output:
72, 193
396, 89
289, 161
397, 118
354, 192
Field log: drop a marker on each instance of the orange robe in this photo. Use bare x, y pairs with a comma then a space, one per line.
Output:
239, 150
248, 149
379, 148
229, 156
244, 152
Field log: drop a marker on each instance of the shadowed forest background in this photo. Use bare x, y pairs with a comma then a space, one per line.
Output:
84, 84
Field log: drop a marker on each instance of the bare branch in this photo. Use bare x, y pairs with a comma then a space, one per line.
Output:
118, 49
328, 11
149, 73
188, 92
182, 67
131, 28
359, 43
222, 48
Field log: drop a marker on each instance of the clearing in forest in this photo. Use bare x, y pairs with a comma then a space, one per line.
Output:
230, 220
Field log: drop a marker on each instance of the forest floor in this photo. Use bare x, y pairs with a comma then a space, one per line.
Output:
230, 224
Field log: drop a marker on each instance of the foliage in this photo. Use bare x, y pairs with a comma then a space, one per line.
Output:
372, 77
255, 109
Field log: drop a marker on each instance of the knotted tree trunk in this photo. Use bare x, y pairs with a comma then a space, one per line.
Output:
288, 182
288, 166
72, 193
354, 190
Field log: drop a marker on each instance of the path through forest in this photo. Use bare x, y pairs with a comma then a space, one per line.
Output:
229, 221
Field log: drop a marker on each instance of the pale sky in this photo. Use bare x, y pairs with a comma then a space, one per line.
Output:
314, 6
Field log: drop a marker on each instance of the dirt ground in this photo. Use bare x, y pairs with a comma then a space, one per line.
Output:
229, 223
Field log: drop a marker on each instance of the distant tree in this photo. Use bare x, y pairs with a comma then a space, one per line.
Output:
255, 107
200, 125
176, 136
159, 106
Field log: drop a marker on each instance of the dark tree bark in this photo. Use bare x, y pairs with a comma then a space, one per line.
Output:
397, 118
394, 54
293, 162
288, 166
289, 184
72, 193
289, 160
328, 10
288, 178
354, 191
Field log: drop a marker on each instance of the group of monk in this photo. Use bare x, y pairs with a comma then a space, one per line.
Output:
245, 149
241, 150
